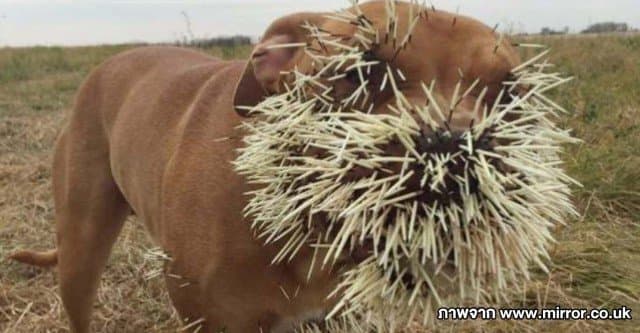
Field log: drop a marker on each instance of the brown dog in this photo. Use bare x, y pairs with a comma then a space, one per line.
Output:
147, 135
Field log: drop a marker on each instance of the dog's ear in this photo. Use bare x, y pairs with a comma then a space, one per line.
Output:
262, 73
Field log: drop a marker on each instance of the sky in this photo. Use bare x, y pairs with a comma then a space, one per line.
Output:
89, 22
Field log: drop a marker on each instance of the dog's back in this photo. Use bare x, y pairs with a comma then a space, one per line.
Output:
127, 115
152, 102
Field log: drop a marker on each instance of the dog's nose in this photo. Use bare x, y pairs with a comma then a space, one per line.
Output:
449, 142
438, 142
450, 152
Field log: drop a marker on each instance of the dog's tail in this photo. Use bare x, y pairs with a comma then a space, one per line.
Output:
41, 259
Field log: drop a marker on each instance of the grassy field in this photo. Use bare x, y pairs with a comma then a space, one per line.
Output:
595, 263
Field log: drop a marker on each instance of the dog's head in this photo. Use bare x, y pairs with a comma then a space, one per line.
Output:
451, 50
409, 143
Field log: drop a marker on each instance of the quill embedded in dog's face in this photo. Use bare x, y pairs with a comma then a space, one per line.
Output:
413, 142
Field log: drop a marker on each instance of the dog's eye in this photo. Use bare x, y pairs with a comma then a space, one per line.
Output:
353, 76
369, 56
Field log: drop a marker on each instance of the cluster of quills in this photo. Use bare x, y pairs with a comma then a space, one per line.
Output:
432, 217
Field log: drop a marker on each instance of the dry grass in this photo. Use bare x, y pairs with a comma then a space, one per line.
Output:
596, 262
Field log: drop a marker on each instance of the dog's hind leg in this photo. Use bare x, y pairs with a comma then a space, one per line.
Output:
90, 212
